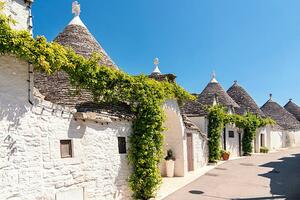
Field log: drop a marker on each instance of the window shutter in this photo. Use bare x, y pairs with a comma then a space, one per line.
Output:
66, 148
122, 145
231, 134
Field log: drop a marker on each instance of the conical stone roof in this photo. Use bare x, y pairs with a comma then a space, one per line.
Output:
293, 109
282, 117
214, 92
211, 95
78, 37
245, 101
57, 88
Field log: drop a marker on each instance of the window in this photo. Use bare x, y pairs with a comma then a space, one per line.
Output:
231, 134
66, 148
122, 145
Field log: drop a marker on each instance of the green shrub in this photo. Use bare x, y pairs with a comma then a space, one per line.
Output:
264, 150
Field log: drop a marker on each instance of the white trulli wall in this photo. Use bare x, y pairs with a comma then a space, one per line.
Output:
261, 137
201, 123
31, 167
20, 12
232, 141
276, 138
294, 137
174, 138
200, 151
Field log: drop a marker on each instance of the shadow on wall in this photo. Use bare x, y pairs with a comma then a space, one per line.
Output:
76, 129
12, 112
106, 166
284, 177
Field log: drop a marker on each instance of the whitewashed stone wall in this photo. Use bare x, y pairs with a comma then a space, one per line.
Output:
20, 12
174, 138
200, 147
31, 167
294, 137
232, 143
201, 123
261, 132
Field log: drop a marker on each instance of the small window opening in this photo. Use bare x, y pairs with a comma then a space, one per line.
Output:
231, 134
122, 145
66, 148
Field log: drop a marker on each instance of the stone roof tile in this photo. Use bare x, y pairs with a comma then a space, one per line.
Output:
282, 117
245, 101
293, 109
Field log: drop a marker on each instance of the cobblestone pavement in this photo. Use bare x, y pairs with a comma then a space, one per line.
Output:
259, 177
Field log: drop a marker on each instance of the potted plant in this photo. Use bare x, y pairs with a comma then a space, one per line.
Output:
225, 154
264, 150
170, 163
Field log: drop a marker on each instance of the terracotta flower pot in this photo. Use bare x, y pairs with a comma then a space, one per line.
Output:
170, 168
225, 156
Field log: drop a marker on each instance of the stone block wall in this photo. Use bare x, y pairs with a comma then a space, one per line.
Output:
200, 147
174, 138
20, 12
31, 167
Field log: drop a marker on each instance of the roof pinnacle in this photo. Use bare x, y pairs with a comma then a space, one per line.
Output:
156, 68
271, 95
76, 8
291, 100
76, 11
213, 77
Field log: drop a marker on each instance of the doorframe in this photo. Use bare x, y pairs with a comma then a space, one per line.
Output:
262, 140
224, 139
190, 150
240, 143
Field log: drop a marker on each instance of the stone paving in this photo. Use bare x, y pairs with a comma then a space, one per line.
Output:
170, 185
259, 177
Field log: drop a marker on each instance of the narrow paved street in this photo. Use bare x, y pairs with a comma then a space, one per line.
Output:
259, 177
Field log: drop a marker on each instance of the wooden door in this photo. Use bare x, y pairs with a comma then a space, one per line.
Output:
240, 144
190, 152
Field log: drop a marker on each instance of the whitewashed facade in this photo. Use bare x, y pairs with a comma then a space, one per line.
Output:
231, 137
176, 135
20, 11
31, 165
32, 130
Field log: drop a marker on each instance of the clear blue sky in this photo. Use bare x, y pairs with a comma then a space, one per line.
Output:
256, 42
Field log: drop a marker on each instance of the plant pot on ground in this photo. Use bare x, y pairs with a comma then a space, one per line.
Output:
170, 163
264, 150
225, 154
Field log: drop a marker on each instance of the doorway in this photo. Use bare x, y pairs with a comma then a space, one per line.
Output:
190, 152
262, 140
240, 144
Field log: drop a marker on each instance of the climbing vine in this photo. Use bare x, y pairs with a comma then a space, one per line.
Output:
250, 123
144, 95
218, 118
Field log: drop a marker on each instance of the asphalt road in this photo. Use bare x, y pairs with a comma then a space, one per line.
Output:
259, 177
